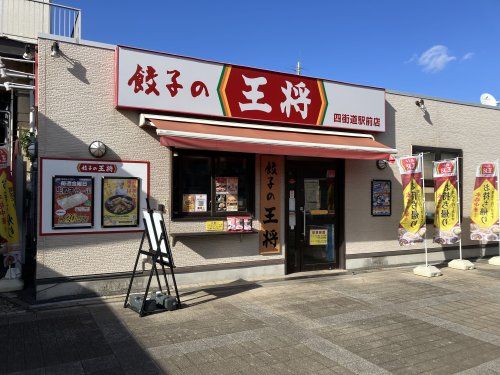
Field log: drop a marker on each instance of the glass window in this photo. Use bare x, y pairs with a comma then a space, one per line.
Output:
195, 184
232, 171
429, 158
212, 184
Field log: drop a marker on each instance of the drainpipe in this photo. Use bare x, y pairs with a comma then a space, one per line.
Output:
10, 137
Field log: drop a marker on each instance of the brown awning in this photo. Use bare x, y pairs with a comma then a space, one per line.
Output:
221, 136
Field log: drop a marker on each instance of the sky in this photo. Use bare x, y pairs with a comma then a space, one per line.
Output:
441, 48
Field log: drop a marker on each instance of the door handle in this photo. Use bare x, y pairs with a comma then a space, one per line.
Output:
303, 222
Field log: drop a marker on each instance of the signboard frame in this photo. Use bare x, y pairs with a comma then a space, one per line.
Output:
92, 201
50, 166
373, 206
344, 94
137, 203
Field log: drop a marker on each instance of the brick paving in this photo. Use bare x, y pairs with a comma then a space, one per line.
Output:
383, 322
8, 307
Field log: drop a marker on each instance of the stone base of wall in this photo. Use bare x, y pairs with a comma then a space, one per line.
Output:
412, 256
108, 286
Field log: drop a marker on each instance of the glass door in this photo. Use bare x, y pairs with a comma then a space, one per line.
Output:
314, 214
318, 220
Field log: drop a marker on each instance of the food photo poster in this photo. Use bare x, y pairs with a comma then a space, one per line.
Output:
120, 201
72, 202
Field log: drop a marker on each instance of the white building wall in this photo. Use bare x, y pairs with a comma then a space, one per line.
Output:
76, 107
23, 20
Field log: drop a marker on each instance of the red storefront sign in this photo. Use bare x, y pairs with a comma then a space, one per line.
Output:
272, 96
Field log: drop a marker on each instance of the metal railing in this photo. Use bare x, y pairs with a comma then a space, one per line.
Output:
24, 19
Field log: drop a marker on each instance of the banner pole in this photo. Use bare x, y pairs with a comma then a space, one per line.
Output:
423, 202
459, 206
498, 197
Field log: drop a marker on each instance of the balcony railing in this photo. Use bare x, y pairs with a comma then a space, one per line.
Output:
24, 19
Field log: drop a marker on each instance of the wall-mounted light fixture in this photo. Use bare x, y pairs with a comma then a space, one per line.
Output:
420, 104
27, 55
382, 164
97, 149
32, 150
54, 49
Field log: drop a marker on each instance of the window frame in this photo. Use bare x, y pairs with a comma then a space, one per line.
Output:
429, 182
211, 213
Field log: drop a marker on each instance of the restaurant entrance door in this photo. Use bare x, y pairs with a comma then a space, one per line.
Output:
314, 214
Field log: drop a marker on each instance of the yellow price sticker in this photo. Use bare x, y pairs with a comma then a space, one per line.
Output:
214, 226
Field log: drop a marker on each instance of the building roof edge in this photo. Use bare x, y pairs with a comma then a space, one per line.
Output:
444, 100
76, 41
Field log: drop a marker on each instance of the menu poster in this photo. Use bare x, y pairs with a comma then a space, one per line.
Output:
220, 200
72, 202
188, 202
381, 198
120, 202
221, 185
232, 185
194, 203
239, 223
200, 203
226, 193
231, 202
312, 194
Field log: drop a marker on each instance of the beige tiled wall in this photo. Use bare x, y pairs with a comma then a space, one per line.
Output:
473, 129
76, 107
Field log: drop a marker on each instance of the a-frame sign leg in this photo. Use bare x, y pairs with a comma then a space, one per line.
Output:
134, 270
175, 287
153, 269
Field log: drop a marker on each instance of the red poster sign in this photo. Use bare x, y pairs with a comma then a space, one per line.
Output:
72, 201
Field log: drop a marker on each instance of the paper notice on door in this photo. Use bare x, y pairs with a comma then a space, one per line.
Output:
311, 194
318, 237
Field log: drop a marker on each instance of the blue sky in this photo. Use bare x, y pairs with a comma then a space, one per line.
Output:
439, 48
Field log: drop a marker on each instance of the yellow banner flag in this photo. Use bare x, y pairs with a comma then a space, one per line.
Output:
412, 223
484, 213
446, 218
9, 232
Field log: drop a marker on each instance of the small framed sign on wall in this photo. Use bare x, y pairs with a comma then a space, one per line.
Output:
120, 202
381, 198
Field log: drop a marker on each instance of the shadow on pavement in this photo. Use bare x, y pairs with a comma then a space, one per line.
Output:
92, 338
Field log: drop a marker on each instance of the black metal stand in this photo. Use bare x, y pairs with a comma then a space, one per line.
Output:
157, 258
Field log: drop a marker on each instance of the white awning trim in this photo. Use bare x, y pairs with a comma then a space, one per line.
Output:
271, 142
144, 120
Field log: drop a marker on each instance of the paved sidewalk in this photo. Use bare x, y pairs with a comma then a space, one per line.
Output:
381, 322
7, 307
